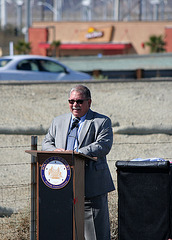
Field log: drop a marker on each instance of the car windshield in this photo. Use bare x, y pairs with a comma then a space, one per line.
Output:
3, 62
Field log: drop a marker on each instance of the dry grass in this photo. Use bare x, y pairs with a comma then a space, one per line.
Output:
113, 214
15, 227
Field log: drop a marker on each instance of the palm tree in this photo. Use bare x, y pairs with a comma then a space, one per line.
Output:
156, 44
56, 45
22, 47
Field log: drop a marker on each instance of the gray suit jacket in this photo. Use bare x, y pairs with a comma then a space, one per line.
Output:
95, 140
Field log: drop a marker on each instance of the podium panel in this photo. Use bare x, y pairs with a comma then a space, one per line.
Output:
55, 211
143, 200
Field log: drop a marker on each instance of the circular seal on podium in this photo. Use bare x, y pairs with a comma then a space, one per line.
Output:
55, 172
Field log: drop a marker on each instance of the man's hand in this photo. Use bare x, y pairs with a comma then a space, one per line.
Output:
59, 150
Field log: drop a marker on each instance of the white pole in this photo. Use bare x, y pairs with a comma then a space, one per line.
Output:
3, 14
55, 15
19, 14
57, 10
116, 10
28, 20
11, 48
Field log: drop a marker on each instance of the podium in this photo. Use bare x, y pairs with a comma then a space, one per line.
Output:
59, 194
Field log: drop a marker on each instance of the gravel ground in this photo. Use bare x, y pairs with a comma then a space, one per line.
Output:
127, 104
135, 108
130, 105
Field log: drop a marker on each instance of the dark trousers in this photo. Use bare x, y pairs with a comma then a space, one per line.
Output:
96, 224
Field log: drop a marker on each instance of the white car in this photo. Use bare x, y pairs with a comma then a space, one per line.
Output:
37, 68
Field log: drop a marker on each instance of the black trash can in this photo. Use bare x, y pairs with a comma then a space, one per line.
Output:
144, 191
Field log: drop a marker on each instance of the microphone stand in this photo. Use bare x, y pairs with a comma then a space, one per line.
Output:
77, 141
73, 149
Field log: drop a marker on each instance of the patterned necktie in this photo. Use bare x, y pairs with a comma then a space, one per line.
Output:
72, 136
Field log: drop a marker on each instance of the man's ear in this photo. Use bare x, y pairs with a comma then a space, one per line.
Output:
89, 102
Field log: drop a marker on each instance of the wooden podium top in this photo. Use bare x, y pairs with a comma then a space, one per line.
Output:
35, 153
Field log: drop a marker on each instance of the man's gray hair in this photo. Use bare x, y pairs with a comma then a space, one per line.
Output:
83, 90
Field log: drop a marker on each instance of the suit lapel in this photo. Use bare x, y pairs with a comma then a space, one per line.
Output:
65, 128
85, 127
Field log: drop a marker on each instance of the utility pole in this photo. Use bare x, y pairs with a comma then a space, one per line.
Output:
86, 5
104, 10
19, 14
140, 10
28, 19
116, 12
3, 14
42, 11
57, 14
155, 4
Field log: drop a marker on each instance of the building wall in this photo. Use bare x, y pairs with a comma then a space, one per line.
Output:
135, 33
37, 35
168, 38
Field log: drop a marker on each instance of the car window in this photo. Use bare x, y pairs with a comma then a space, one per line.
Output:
34, 65
3, 62
28, 65
50, 66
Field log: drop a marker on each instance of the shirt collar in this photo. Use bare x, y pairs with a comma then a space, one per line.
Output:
82, 119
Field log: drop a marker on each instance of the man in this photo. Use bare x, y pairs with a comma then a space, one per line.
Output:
94, 138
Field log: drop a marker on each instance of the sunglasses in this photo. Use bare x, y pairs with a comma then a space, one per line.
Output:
79, 101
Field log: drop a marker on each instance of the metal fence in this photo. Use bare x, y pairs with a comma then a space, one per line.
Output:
15, 199
86, 10
17, 194
17, 183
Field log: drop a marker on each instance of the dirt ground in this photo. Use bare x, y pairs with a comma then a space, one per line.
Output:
136, 105
145, 104
143, 107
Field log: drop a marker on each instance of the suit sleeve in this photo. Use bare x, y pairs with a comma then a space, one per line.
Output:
48, 143
102, 142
